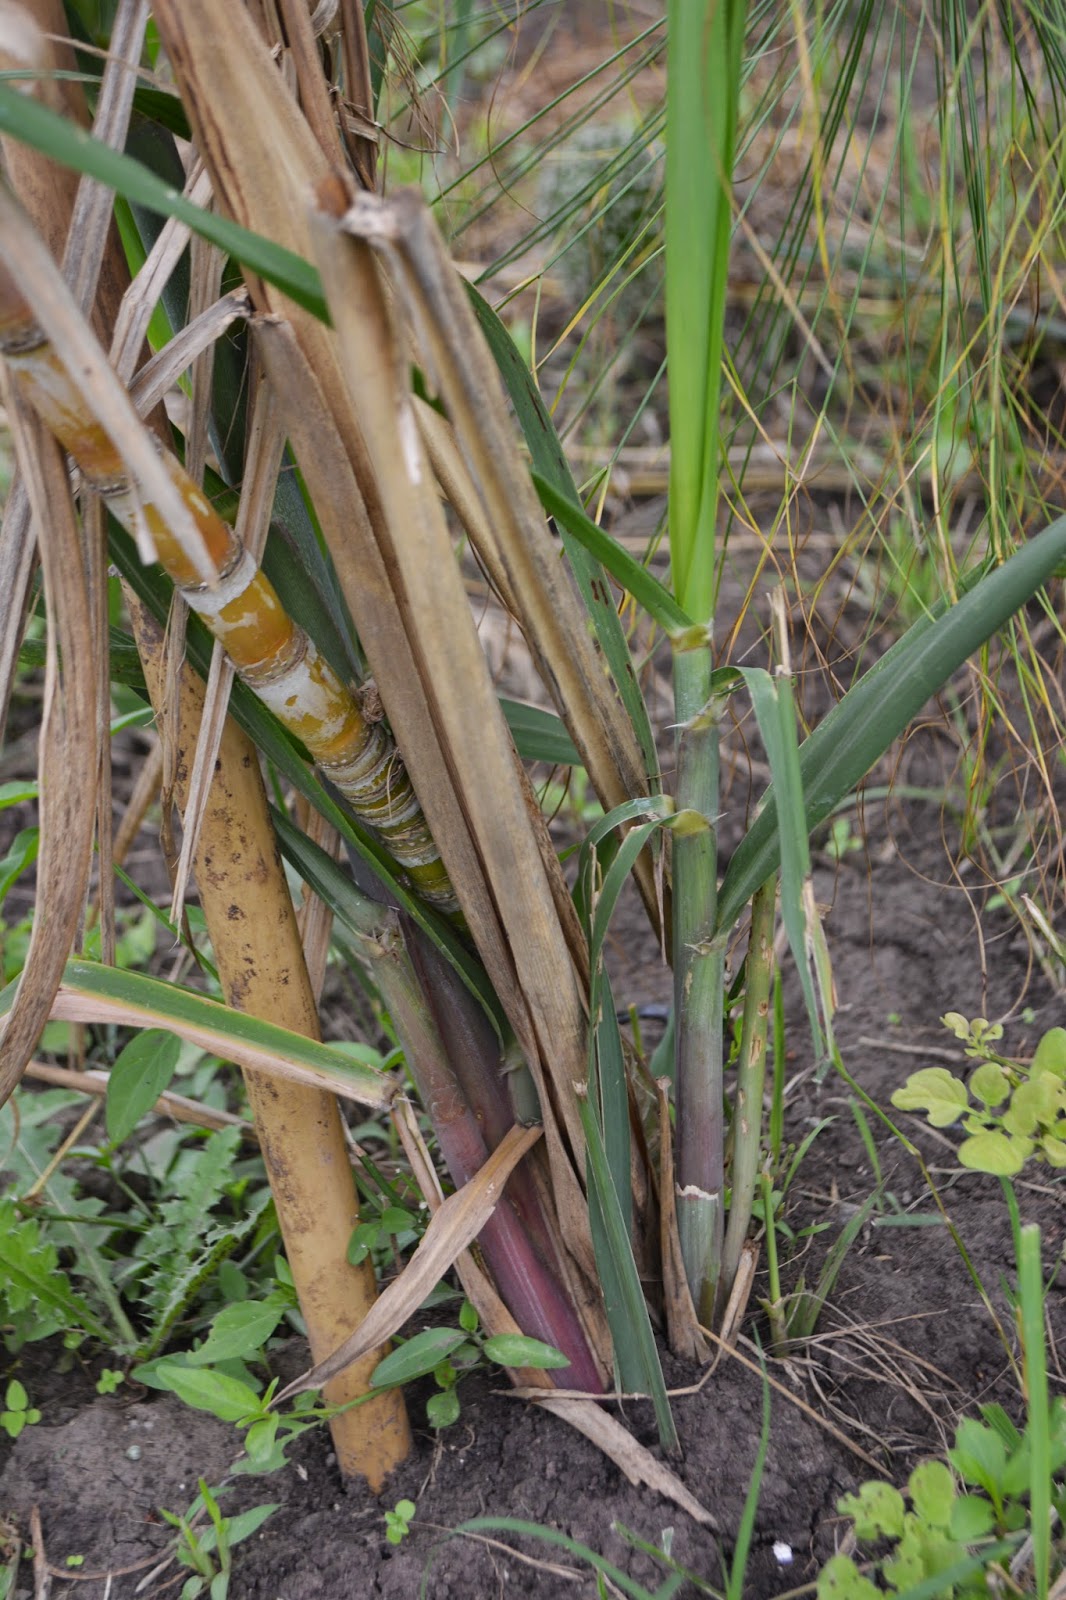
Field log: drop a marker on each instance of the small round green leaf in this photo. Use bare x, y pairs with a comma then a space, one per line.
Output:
1024, 1113
1054, 1150
971, 1518
936, 1092
877, 1510
515, 1350
421, 1354
993, 1152
442, 1409
980, 1454
1051, 1054
932, 1491
16, 1398
840, 1579
990, 1084
139, 1076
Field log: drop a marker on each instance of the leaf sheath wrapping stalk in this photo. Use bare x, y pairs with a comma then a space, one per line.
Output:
514, 1240
698, 985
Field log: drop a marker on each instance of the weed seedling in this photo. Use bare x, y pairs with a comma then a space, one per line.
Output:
17, 1413
208, 1551
1011, 1111
957, 1526
398, 1521
449, 1353
961, 1526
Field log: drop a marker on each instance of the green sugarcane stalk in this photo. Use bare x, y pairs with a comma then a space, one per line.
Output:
699, 970
704, 54
751, 1076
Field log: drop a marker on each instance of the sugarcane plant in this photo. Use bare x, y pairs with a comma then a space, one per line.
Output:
357, 354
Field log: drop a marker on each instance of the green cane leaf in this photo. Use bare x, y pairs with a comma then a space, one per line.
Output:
37, 125
877, 709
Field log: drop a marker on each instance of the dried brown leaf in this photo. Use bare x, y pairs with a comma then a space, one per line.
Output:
69, 747
455, 1224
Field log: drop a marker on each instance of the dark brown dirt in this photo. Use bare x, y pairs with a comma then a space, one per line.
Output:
903, 1347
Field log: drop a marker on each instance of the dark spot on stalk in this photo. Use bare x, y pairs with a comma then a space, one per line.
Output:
234, 913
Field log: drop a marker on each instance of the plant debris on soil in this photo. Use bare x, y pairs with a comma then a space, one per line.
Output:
904, 1346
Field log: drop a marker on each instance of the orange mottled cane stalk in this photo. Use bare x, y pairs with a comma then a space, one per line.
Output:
273, 655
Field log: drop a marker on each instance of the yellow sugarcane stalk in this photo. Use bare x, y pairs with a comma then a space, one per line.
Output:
249, 915
270, 652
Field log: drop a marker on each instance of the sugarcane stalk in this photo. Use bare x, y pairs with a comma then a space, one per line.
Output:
514, 1241
454, 1057
243, 892
255, 937
698, 979
751, 1076
270, 652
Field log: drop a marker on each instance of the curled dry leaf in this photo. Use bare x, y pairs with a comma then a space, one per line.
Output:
456, 1223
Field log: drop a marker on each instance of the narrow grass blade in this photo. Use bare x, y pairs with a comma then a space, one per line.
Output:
746, 1527
775, 715
750, 1079
582, 1552
876, 710
803, 1320
608, 1086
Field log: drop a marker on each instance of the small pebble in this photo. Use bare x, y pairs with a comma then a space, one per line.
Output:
133, 1453
782, 1553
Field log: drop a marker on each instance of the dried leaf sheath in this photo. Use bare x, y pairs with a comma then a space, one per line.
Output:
242, 609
